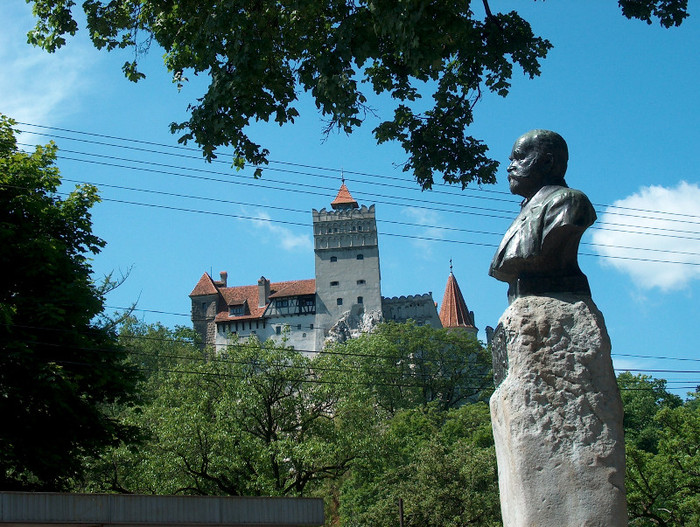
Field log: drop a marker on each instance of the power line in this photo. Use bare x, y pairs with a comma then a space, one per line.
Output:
392, 222
461, 209
229, 174
412, 361
641, 229
415, 237
334, 350
309, 368
334, 170
614, 354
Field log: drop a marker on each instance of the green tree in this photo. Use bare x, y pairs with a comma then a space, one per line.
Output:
413, 395
662, 435
442, 464
401, 366
59, 368
643, 397
156, 352
252, 420
260, 55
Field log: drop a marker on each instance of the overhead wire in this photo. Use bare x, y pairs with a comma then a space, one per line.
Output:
392, 222
425, 226
421, 225
414, 360
409, 236
430, 205
334, 170
312, 369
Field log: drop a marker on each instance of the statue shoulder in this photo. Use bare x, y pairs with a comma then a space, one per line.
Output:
571, 202
556, 194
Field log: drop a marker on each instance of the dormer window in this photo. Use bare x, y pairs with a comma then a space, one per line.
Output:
236, 311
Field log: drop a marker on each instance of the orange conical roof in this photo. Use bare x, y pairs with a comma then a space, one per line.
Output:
205, 286
344, 200
454, 312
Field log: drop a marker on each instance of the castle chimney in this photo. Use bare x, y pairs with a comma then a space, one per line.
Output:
224, 277
263, 291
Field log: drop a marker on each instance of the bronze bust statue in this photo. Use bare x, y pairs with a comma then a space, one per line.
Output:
538, 254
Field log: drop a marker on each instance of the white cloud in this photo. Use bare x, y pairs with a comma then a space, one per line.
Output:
664, 225
429, 220
36, 86
283, 236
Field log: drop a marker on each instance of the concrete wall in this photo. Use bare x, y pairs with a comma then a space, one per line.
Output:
25, 508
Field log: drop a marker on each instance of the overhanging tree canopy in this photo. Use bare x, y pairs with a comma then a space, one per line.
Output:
261, 54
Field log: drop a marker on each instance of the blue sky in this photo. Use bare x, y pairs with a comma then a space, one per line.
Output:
623, 95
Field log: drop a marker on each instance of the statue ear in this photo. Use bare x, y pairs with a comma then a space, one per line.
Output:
547, 162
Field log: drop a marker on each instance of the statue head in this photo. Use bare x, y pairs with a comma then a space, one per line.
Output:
538, 158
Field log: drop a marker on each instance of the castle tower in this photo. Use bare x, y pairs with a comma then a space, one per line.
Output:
454, 313
346, 260
205, 304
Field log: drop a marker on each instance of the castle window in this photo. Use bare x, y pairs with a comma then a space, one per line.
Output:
204, 306
339, 301
311, 326
334, 283
282, 303
360, 256
359, 228
298, 326
359, 299
360, 282
235, 311
333, 259
278, 330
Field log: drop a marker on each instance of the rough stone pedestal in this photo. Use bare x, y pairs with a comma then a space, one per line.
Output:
557, 417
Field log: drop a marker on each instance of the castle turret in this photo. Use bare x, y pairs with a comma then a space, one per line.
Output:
205, 304
454, 313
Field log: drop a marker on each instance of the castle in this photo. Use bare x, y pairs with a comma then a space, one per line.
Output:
342, 301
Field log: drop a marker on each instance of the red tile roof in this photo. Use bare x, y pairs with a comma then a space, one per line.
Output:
205, 286
293, 288
454, 312
234, 296
344, 200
